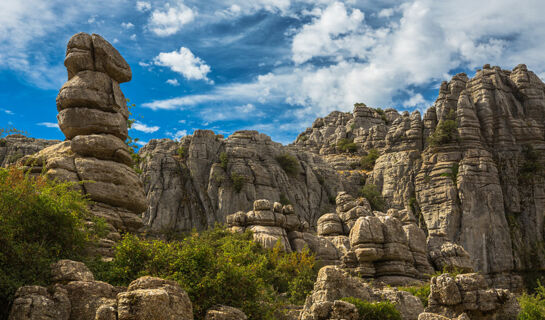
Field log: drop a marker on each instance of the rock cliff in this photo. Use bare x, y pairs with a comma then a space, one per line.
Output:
16, 146
470, 170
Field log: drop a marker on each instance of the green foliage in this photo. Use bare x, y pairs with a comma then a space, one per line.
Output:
41, 221
238, 181
530, 165
421, 292
371, 193
284, 200
368, 162
382, 114
302, 138
383, 310
224, 160
132, 142
181, 152
217, 267
289, 164
446, 131
532, 306
453, 174
347, 145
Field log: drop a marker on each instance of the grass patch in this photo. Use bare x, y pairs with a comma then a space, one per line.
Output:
421, 292
383, 310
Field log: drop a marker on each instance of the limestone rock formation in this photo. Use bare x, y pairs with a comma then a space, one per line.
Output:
471, 171
224, 313
468, 294
93, 116
333, 283
198, 181
16, 146
75, 295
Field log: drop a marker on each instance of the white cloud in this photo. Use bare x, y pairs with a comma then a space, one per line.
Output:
178, 134
48, 124
6, 111
183, 121
133, 37
127, 25
386, 13
138, 126
229, 113
169, 20
141, 143
144, 64
173, 82
184, 63
415, 100
143, 6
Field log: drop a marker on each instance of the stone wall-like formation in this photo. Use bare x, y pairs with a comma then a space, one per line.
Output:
93, 116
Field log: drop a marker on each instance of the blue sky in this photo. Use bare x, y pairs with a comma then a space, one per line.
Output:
269, 65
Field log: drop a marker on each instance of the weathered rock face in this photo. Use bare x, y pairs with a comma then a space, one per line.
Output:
16, 146
333, 284
468, 293
93, 116
482, 187
204, 177
224, 313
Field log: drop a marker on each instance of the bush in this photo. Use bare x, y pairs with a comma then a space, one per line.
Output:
284, 200
288, 163
446, 131
368, 162
371, 193
217, 267
41, 221
347, 145
421, 292
238, 181
224, 160
453, 174
532, 306
382, 114
383, 310
181, 152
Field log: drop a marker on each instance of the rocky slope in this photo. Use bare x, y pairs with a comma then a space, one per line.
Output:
198, 181
480, 185
16, 146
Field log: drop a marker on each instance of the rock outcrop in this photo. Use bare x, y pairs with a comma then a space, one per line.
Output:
75, 295
471, 170
198, 181
16, 146
224, 313
93, 116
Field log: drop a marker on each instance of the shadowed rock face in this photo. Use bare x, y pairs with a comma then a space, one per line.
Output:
484, 190
93, 116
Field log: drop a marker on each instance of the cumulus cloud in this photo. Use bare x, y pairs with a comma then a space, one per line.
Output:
143, 6
185, 63
173, 82
138, 126
170, 19
177, 134
48, 124
127, 25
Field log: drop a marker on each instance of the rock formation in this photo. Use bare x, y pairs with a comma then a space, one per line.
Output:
198, 181
479, 186
16, 146
75, 295
93, 116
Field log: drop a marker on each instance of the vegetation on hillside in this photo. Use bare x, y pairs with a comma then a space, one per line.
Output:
41, 221
383, 310
288, 163
532, 306
217, 267
373, 195
421, 292
347, 145
446, 131
367, 162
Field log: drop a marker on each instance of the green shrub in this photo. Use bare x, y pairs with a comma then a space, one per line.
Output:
446, 131
302, 138
371, 193
284, 200
532, 306
453, 174
217, 267
41, 221
421, 292
181, 152
382, 114
383, 310
288, 163
224, 160
368, 162
347, 145
238, 181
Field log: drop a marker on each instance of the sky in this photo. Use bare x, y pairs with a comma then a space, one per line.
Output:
267, 65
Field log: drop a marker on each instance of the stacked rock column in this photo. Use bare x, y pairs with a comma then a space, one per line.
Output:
93, 115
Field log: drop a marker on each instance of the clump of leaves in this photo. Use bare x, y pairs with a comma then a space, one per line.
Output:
373, 195
446, 131
224, 160
383, 310
347, 145
368, 162
532, 306
421, 292
288, 163
217, 267
41, 222
181, 152
238, 181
